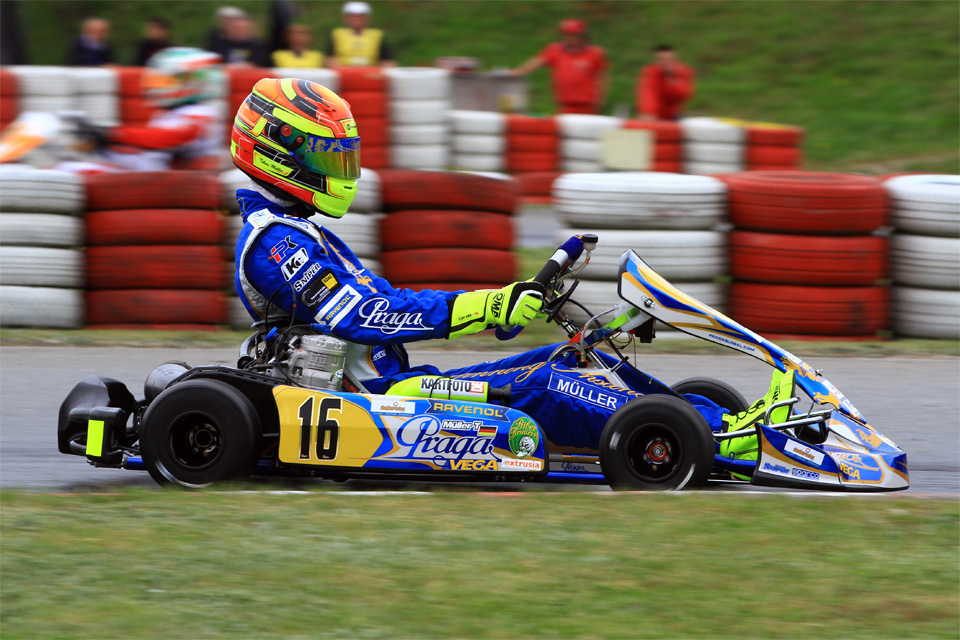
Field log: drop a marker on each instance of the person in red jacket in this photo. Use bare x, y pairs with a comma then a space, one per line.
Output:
664, 86
579, 69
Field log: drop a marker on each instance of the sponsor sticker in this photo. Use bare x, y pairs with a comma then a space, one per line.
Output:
294, 263
803, 452
586, 392
473, 465
307, 276
524, 437
279, 251
776, 468
450, 386
419, 438
521, 465
376, 315
437, 406
487, 431
338, 306
394, 406
460, 425
804, 474
319, 289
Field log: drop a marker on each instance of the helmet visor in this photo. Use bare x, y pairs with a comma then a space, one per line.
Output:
334, 157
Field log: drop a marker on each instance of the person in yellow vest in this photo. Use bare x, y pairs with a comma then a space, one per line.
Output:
298, 54
355, 45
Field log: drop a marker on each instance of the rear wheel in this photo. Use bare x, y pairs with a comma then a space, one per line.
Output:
714, 390
199, 432
656, 442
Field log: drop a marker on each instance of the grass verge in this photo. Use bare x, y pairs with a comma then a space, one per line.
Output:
149, 564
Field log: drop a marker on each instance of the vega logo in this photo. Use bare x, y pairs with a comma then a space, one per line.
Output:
419, 439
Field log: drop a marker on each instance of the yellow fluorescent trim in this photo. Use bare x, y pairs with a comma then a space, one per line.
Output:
304, 124
258, 128
286, 85
95, 438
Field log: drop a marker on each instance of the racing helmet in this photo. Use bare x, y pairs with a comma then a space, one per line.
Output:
182, 75
298, 140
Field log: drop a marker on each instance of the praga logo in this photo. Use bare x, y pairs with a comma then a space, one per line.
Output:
524, 437
376, 315
419, 439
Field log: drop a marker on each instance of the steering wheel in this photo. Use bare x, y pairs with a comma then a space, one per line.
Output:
556, 265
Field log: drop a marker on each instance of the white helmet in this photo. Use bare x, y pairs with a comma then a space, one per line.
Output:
181, 75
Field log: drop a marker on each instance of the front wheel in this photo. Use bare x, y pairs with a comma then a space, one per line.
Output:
199, 432
656, 442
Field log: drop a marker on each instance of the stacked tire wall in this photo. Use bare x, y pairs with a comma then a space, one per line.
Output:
667, 144
449, 231
9, 101
533, 144
41, 256
669, 219
478, 140
711, 145
805, 256
420, 107
580, 140
926, 255
155, 256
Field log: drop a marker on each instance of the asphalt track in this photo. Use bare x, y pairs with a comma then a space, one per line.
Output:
913, 401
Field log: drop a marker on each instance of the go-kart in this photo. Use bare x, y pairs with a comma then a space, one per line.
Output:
288, 407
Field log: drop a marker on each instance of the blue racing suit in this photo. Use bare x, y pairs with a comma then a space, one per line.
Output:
296, 267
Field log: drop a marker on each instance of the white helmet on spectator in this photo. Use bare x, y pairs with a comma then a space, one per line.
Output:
181, 75
357, 8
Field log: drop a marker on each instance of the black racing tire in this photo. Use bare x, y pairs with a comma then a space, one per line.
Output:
656, 443
718, 391
200, 432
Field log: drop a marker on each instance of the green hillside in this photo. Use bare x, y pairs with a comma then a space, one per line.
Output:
876, 84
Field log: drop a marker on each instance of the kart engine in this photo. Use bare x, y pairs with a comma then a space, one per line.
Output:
317, 362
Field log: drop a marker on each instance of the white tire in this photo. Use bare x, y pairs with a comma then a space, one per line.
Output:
48, 104
41, 267
926, 204
44, 81
645, 185
100, 109
612, 215
477, 162
714, 152
578, 149
420, 134
418, 112
40, 230
711, 168
703, 129
368, 193
41, 307
360, 232
926, 313
925, 261
326, 77
586, 126
581, 166
478, 122
418, 83
43, 191
95, 80
679, 256
486, 145
424, 156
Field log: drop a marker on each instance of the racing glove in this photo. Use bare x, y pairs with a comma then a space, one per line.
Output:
476, 311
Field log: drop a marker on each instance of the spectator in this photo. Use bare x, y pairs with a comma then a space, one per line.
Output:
92, 47
664, 86
298, 54
156, 37
241, 45
355, 45
217, 36
579, 69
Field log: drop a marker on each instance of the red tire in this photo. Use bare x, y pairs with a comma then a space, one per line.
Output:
771, 167
798, 202
9, 86
807, 260
367, 104
374, 132
442, 229
129, 83
770, 155
153, 190
135, 109
157, 267
528, 142
242, 79
448, 286
662, 131
532, 125
777, 136
158, 307
667, 166
375, 157
667, 152
532, 161
830, 311
361, 79
403, 189
9, 108
537, 183
154, 226
449, 265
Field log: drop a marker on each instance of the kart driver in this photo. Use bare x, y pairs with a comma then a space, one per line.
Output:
300, 145
185, 133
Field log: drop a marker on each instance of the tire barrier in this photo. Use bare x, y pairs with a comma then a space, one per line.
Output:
773, 147
419, 97
926, 261
153, 190
533, 144
926, 313
9, 102
712, 145
449, 229
41, 237
537, 185
478, 140
600, 295
580, 140
926, 205
156, 308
